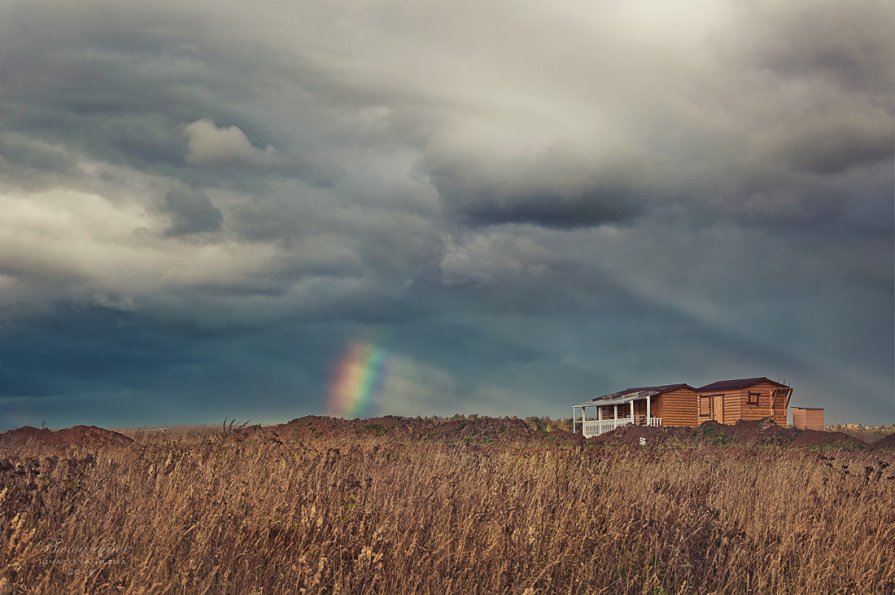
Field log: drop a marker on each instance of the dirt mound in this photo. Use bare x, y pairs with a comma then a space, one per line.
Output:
887, 442
866, 436
765, 432
631, 435
479, 430
819, 438
88, 436
484, 429
314, 426
761, 432
563, 438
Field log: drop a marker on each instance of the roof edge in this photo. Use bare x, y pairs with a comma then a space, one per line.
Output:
654, 390
734, 383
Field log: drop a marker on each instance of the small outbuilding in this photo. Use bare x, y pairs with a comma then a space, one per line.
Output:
808, 418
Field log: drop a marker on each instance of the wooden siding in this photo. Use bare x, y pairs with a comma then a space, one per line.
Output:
780, 407
676, 407
807, 419
733, 408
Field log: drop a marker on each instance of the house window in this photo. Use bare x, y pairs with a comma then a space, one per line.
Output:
753, 398
705, 406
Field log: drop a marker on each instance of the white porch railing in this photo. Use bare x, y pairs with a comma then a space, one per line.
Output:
595, 427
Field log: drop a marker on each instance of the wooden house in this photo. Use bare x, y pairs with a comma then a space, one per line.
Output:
681, 405
729, 401
664, 405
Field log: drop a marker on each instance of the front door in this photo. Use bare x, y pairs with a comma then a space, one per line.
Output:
718, 408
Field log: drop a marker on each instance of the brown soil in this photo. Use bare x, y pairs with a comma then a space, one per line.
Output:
762, 431
481, 430
815, 438
631, 435
887, 442
867, 436
484, 429
86, 436
564, 438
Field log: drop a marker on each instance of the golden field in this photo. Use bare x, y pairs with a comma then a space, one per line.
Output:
202, 511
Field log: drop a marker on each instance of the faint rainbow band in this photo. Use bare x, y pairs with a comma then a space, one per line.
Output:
356, 385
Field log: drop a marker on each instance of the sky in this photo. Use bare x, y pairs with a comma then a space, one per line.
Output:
268, 210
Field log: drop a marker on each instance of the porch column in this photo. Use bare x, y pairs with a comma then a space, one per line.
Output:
599, 413
632, 411
574, 421
647, 411
615, 412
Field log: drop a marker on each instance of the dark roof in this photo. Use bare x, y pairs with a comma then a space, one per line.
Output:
737, 384
662, 388
653, 390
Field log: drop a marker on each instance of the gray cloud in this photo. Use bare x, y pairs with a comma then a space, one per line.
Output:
830, 147
849, 46
209, 143
190, 213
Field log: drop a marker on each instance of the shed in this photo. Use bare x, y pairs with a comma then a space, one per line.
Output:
808, 418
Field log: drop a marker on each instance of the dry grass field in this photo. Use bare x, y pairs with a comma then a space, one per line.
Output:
262, 512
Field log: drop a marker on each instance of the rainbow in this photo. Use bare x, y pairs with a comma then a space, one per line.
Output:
357, 380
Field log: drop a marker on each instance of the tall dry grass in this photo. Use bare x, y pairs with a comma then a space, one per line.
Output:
214, 516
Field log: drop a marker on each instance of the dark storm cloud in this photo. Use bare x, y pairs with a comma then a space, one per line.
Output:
33, 164
592, 208
848, 45
76, 358
479, 206
207, 203
833, 147
121, 85
191, 212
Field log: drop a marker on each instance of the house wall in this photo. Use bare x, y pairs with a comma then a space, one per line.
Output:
677, 408
737, 405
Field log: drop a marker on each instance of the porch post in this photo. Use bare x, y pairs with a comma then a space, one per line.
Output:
632, 410
615, 412
574, 421
647, 411
599, 413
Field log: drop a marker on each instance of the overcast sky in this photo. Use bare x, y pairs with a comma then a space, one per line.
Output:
205, 205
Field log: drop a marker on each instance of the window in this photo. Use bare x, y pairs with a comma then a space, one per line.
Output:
705, 406
753, 399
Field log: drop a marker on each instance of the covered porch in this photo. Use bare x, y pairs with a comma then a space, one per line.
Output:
608, 413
